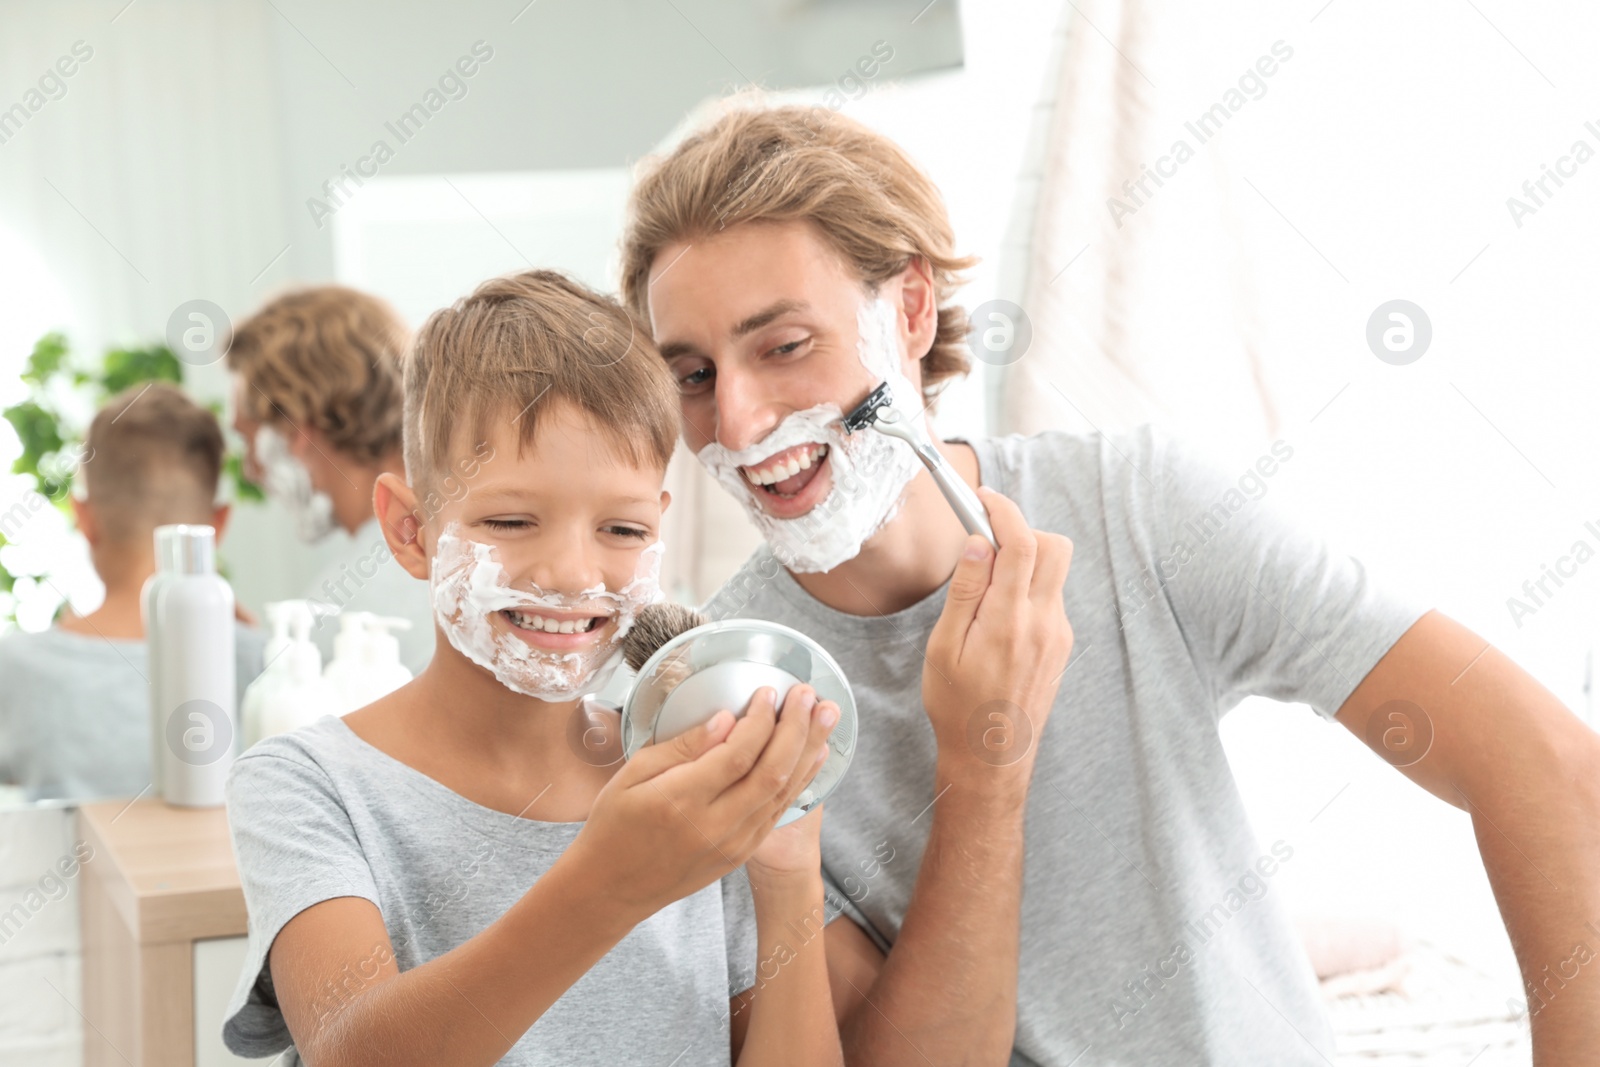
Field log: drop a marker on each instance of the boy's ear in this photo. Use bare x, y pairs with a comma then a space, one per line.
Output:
84, 519
396, 508
666, 500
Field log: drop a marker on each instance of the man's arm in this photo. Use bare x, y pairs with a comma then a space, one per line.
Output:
947, 992
1504, 749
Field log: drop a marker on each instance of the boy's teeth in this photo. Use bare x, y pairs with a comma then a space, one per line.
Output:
552, 626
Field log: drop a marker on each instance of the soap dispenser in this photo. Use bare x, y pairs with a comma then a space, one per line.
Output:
366, 660
290, 692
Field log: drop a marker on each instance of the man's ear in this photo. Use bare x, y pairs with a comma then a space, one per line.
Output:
219, 519
300, 442
320, 459
919, 308
396, 506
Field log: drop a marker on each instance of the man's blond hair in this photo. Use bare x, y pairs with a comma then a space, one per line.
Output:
152, 456
325, 358
516, 346
867, 199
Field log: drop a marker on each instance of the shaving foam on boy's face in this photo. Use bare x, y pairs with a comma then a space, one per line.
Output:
867, 471
541, 643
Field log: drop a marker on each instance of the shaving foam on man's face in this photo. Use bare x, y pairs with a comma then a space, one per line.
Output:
867, 473
541, 643
288, 482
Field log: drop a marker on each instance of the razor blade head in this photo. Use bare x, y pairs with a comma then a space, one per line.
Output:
866, 412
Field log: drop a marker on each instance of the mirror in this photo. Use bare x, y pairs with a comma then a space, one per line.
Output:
178, 159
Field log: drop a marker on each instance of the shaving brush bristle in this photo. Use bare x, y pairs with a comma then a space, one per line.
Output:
654, 626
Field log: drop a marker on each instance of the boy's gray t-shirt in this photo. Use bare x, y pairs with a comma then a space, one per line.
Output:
319, 813
1150, 933
75, 711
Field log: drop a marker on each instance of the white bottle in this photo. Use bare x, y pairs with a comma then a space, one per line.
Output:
192, 665
366, 659
290, 692
166, 543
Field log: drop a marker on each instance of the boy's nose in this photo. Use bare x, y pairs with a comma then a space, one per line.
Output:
565, 565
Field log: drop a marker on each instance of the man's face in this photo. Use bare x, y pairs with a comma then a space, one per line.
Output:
757, 323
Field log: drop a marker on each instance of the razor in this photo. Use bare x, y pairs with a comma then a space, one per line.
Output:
880, 412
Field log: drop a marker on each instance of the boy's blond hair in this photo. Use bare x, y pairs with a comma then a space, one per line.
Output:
152, 456
516, 346
326, 358
864, 195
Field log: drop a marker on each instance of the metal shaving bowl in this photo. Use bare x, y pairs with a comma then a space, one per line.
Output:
721, 665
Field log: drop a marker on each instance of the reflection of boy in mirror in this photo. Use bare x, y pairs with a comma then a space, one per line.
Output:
74, 710
316, 397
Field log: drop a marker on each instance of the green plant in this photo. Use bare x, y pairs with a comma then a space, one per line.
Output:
50, 431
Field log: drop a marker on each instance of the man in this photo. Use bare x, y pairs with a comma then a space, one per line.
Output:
1053, 854
316, 397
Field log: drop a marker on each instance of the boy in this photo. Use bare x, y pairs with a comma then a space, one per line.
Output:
317, 399
75, 709
454, 873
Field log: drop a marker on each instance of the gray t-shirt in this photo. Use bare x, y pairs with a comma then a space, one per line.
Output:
1149, 931
319, 813
75, 711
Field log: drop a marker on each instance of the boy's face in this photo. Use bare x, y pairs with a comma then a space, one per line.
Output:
764, 326
539, 556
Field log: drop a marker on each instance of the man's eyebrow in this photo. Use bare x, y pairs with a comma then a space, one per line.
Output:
749, 325
762, 318
674, 349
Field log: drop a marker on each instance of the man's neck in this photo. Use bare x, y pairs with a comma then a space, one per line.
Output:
910, 557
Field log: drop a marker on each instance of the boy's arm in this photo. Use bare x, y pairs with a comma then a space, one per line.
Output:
667, 824
468, 1006
787, 1017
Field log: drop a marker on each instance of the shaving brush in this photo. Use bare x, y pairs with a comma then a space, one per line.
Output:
689, 668
653, 627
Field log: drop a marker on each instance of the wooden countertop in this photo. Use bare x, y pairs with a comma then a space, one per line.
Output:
168, 871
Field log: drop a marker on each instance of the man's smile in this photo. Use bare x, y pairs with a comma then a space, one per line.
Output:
791, 482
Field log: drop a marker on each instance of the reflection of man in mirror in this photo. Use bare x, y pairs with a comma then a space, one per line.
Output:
1050, 880
75, 706
317, 399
